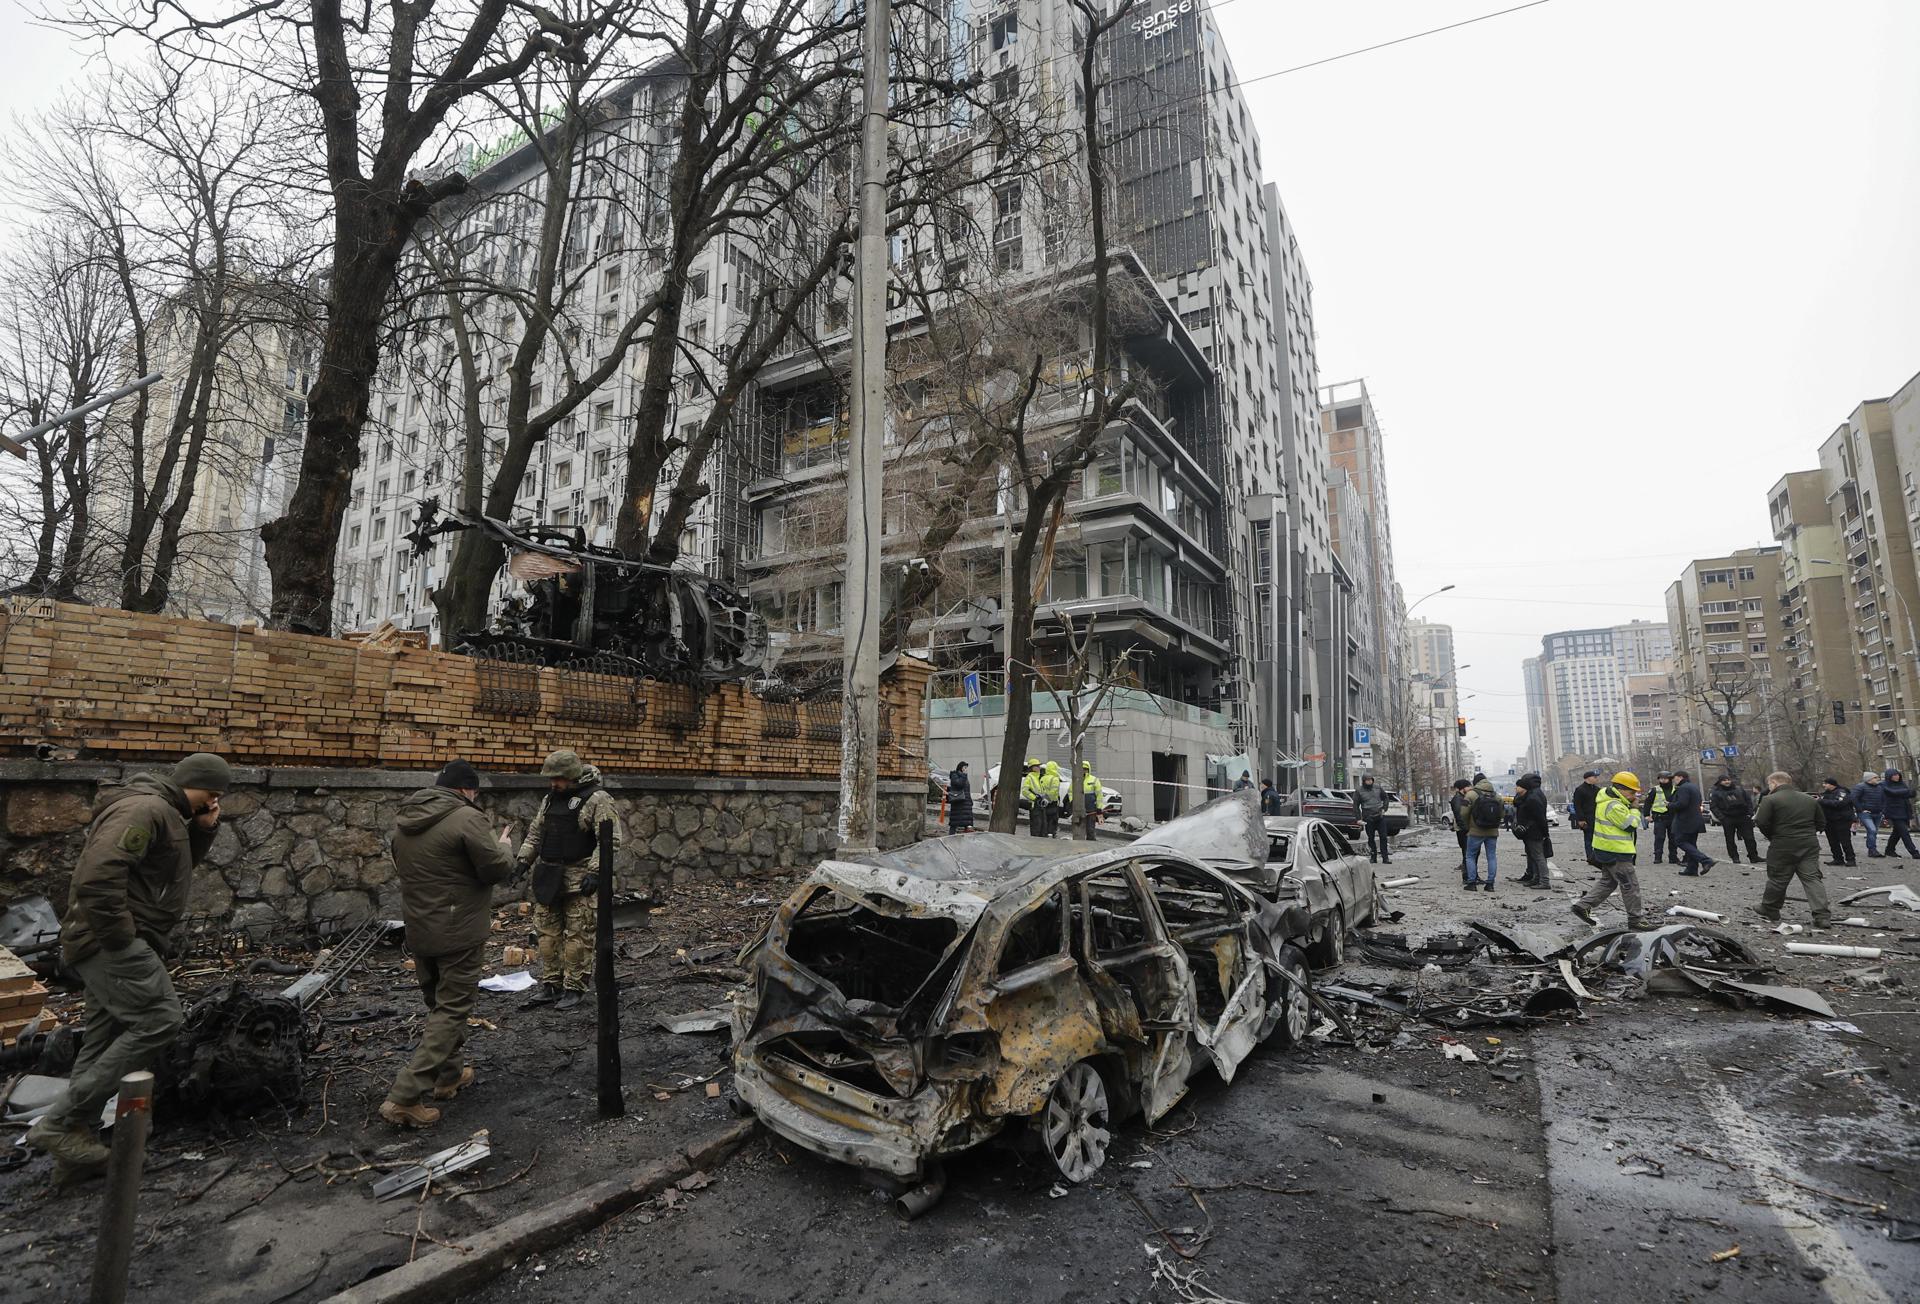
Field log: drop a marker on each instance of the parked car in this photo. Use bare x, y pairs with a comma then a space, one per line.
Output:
915, 1004
1310, 863
1335, 805
1396, 817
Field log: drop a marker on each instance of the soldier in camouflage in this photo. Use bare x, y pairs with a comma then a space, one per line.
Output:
562, 846
128, 894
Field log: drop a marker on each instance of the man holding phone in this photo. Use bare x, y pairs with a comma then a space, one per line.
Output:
128, 893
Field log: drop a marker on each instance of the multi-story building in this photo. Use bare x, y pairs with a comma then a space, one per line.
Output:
1817, 663
1869, 505
1580, 695
1724, 614
1293, 538
1364, 540
1435, 685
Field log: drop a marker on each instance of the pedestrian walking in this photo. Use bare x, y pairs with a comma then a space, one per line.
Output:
1093, 798
448, 858
1868, 805
1457, 807
1689, 822
1897, 811
1530, 826
1483, 831
1584, 797
1791, 820
1615, 850
1269, 798
562, 845
1836, 808
1733, 807
959, 800
1657, 807
128, 892
1370, 808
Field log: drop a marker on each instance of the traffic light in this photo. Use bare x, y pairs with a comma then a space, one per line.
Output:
1460, 723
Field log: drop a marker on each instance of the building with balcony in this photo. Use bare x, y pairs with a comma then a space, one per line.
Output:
1817, 662
1581, 696
1724, 615
1363, 536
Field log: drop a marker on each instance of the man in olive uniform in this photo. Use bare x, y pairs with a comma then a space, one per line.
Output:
448, 858
1792, 822
563, 846
128, 893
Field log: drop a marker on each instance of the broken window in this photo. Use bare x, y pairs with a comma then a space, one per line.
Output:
1204, 918
1039, 933
867, 955
1116, 921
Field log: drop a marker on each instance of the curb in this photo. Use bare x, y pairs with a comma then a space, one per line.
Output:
447, 1274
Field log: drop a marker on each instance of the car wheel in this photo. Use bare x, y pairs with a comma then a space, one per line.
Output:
1290, 998
1076, 1123
1330, 948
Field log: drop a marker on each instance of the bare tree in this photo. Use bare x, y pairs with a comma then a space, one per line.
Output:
61, 327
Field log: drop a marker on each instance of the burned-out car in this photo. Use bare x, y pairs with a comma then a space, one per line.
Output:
1310, 863
912, 1005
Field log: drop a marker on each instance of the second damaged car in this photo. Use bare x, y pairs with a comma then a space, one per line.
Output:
915, 1004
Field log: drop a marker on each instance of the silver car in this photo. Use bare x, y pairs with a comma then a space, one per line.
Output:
1311, 863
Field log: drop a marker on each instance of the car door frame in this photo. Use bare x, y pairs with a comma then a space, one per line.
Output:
1233, 1036
1167, 1058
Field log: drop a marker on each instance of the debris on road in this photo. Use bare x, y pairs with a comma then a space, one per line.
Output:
713, 1019
1409, 881
1690, 913
1897, 895
1723, 1255
434, 1167
508, 982
1845, 952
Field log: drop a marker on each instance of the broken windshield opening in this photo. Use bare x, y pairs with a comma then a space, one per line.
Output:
1278, 845
868, 956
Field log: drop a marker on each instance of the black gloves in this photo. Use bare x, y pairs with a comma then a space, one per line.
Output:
590, 884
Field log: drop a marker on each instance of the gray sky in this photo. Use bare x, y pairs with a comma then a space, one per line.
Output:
1610, 267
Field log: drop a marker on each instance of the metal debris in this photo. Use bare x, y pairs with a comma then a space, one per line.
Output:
714, 1019
1898, 894
434, 1167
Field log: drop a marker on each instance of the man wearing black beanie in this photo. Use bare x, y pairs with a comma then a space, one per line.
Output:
448, 857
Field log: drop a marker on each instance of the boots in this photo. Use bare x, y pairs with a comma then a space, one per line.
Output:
569, 1000
414, 1115
453, 1089
1585, 914
75, 1149
544, 994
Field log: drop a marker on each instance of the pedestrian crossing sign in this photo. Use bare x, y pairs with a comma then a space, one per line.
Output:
1706, 755
972, 681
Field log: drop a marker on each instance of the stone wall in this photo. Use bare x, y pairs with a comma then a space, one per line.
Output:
310, 845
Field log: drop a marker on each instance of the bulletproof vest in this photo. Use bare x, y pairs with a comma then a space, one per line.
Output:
561, 837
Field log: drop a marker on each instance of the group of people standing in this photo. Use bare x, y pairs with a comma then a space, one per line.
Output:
1044, 790
131, 885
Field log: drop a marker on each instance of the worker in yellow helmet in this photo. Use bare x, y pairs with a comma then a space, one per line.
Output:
1030, 794
1092, 795
1616, 829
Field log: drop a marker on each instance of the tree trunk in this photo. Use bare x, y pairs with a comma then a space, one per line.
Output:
300, 545
1019, 688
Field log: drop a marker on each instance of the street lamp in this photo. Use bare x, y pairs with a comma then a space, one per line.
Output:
1436, 593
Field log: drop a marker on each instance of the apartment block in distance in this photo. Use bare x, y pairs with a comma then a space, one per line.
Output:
1724, 615
1364, 540
1816, 618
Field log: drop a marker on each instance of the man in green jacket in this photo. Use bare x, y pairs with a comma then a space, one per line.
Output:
128, 893
1791, 820
448, 858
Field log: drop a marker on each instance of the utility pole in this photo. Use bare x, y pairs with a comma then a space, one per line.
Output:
860, 659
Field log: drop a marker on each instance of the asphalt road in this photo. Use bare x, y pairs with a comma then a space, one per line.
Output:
1636, 1146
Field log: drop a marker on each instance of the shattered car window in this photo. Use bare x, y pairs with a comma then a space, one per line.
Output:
1204, 918
1040, 933
1115, 922
1279, 848
1339, 840
868, 955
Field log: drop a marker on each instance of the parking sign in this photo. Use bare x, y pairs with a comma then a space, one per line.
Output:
1362, 735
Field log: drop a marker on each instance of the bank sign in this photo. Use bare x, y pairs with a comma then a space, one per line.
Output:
1158, 22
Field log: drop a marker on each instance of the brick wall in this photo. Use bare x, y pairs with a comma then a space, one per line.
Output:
99, 683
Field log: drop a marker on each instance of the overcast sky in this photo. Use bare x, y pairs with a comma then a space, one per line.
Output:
1610, 268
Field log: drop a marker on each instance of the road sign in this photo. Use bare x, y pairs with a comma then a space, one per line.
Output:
1707, 755
972, 681
1729, 752
1362, 735
1360, 758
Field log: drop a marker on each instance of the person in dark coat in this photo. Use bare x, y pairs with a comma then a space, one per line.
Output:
1530, 826
1836, 808
1584, 797
1457, 807
1370, 808
1897, 796
1689, 822
1733, 807
1868, 805
959, 800
1791, 820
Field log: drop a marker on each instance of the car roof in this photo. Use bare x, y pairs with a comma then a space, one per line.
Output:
960, 875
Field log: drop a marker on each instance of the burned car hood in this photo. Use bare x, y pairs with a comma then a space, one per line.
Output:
1226, 828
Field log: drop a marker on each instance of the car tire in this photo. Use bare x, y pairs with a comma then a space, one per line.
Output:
1289, 996
1330, 948
1075, 1126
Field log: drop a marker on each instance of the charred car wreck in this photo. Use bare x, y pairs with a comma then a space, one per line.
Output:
912, 1005
663, 622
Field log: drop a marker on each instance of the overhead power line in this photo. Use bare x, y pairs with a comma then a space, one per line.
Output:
1398, 40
